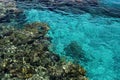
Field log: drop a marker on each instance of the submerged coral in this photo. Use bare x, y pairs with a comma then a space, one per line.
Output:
75, 51
9, 12
6, 5
24, 54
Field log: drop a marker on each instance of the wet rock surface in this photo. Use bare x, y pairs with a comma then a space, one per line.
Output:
25, 54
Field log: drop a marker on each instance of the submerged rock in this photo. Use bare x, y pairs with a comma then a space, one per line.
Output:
75, 51
24, 54
9, 12
6, 5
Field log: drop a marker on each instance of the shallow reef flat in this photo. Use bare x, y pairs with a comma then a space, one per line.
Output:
85, 32
25, 55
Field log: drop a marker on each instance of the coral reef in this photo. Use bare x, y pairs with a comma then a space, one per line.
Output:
9, 11
6, 5
25, 54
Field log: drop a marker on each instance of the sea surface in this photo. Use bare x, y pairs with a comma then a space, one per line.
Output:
97, 35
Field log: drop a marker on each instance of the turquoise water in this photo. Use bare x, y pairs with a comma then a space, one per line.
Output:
111, 3
98, 36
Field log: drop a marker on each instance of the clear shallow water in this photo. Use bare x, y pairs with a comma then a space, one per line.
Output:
98, 36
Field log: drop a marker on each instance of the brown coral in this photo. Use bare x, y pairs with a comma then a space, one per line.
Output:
24, 54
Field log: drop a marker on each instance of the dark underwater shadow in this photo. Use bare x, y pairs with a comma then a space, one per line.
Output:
75, 51
71, 6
